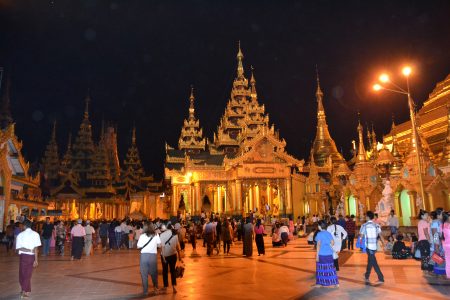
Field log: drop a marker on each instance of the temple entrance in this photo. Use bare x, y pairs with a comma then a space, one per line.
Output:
262, 196
352, 205
405, 207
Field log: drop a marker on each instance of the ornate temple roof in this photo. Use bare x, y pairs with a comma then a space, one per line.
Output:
191, 137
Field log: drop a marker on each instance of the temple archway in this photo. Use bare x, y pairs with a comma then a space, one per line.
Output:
405, 208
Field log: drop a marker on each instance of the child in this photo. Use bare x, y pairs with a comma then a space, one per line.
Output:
130, 239
399, 250
389, 244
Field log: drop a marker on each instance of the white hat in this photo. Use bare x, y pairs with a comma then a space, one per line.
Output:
163, 227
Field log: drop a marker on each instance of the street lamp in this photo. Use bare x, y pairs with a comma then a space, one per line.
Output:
392, 87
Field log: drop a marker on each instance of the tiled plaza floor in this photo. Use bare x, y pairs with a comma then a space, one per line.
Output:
283, 273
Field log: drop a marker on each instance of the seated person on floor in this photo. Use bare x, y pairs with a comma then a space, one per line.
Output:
310, 238
284, 234
399, 250
389, 245
276, 238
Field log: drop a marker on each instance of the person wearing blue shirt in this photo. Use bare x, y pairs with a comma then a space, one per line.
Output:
325, 270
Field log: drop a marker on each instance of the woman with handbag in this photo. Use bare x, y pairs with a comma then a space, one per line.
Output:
423, 245
148, 243
437, 249
170, 247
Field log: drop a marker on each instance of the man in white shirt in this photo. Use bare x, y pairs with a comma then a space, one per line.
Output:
27, 243
393, 222
339, 234
88, 237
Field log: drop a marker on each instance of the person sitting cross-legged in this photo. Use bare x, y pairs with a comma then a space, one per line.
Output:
399, 250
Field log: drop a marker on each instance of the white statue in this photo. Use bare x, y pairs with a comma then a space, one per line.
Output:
386, 203
361, 211
340, 209
419, 202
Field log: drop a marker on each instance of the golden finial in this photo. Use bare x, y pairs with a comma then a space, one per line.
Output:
252, 79
69, 142
361, 157
133, 137
191, 97
319, 92
191, 105
240, 56
87, 100
54, 131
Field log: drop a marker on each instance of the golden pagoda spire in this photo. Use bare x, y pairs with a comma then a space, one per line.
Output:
133, 136
319, 96
361, 157
86, 108
323, 146
69, 142
191, 104
54, 131
240, 68
374, 139
253, 84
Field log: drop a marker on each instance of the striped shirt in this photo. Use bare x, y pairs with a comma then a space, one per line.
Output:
370, 230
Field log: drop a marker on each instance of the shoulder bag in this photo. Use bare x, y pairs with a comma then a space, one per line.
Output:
148, 242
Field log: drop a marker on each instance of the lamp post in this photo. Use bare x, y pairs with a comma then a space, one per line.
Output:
384, 78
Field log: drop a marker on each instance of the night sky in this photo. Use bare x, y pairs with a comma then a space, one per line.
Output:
139, 58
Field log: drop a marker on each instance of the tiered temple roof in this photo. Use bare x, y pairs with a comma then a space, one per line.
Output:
243, 116
91, 169
191, 137
51, 158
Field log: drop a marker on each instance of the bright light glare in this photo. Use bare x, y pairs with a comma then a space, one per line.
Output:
406, 71
377, 87
384, 77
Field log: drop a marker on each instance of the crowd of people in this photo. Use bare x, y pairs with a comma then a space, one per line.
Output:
330, 235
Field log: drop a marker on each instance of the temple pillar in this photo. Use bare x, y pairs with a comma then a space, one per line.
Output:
288, 196
257, 198
197, 199
412, 201
250, 200
238, 196
269, 193
219, 199
233, 198
280, 208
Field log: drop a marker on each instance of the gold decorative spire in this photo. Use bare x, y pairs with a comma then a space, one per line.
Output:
133, 136
319, 94
69, 142
86, 108
240, 68
191, 105
191, 137
323, 146
54, 131
361, 157
253, 85
374, 140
